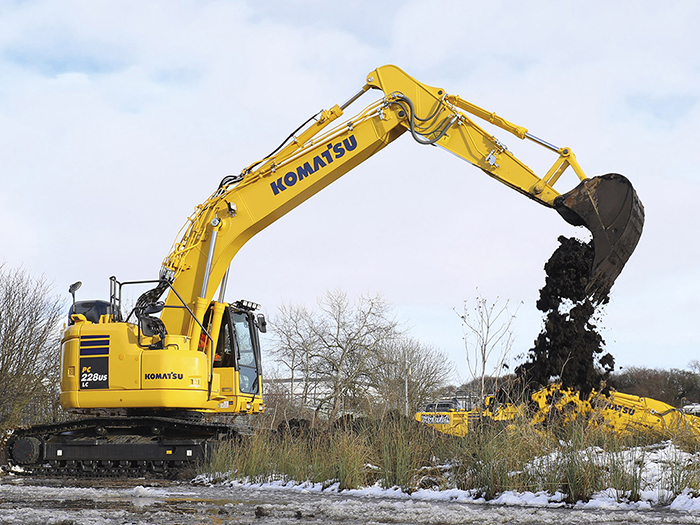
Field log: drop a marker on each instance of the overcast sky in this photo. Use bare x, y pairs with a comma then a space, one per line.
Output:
117, 118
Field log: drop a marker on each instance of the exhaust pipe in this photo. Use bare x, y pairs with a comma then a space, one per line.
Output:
609, 207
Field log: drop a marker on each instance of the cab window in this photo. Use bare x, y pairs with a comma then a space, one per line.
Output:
246, 356
223, 357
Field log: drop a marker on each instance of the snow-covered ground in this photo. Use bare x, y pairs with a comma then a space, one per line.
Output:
206, 501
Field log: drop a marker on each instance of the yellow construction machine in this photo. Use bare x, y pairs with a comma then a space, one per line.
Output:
451, 417
618, 412
152, 381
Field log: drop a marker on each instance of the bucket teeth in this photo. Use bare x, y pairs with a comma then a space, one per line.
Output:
609, 207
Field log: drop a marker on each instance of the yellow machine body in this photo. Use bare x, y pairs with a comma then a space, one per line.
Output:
459, 422
618, 412
105, 366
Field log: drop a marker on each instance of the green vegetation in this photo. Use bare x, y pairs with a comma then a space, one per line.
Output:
576, 461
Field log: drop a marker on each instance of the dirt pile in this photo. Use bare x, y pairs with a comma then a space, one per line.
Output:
569, 346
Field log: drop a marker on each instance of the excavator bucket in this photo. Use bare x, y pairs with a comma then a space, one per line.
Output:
609, 207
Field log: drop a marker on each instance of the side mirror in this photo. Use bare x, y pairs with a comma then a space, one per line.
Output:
74, 288
262, 323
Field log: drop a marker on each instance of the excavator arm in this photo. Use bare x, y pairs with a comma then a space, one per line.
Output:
309, 161
607, 205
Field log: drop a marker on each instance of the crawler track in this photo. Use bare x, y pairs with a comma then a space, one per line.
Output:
115, 446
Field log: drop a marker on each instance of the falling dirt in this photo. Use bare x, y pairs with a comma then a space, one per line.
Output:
568, 348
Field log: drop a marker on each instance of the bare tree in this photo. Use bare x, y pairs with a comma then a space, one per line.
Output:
331, 349
488, 338
29, 349
408, 374
296, 341
354, 354
694, 366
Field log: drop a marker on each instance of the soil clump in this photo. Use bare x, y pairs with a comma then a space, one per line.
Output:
569, 347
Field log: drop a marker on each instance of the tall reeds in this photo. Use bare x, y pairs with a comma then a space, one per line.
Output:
576, 460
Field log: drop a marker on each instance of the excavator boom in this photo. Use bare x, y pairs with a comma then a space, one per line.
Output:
606, 205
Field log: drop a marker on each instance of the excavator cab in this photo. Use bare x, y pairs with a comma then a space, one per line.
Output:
92, 310
237, 356
609, 207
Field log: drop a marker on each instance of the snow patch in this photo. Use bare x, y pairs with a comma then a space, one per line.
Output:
143, 492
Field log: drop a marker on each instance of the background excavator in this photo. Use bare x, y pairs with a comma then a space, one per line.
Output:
159, 386
615, 411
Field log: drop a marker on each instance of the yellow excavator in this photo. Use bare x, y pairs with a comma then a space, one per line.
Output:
156, 386
615, 411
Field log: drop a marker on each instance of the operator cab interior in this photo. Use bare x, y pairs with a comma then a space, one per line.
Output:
239, 347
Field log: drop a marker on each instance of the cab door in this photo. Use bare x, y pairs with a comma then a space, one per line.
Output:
247, 352
224, 357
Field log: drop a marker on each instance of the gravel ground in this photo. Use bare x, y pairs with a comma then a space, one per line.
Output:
97, 502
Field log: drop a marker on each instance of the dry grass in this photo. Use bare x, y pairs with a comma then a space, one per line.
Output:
495, 458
